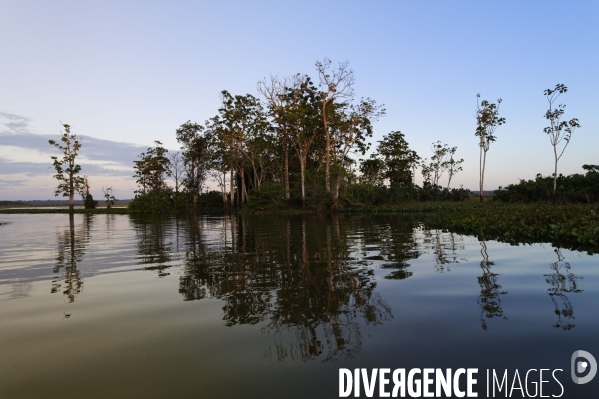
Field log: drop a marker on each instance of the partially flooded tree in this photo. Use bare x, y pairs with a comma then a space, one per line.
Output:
66, 168
88, 199
109, 198
487, 121
558, 130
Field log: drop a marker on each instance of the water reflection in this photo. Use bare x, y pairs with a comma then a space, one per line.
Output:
489, 300
562, 281
294, 275
154, 244
394, 242
70, 250
444, 246
310, 281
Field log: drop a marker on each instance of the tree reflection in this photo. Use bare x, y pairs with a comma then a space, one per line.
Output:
489, 300
444, 246
562, 281
396, 245
305, 287
70, 250
154, 244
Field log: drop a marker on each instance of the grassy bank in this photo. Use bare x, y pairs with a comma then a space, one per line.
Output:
572, 226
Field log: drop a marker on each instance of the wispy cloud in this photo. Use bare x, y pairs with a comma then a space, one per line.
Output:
25, 159
13, 124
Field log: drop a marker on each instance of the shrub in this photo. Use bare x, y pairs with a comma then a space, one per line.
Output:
155, 203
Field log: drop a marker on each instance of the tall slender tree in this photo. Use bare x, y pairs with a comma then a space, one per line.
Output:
66, 168
274, 91
487, 121
353, 128
453, 165
334, 85
558, 130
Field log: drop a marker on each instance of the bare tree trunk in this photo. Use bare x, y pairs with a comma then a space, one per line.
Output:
71, 196
232, 188
243, 190
303, 169
555, 173
286, 174
328, 151
223, 189
336, 191
482, 176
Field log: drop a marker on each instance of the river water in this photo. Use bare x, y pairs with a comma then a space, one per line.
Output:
115, 306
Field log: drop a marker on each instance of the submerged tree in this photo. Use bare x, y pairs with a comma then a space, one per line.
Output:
88, 199
487, 120
558, 130
108, 197
66, 168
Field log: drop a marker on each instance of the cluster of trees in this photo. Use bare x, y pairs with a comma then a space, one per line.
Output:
297, 144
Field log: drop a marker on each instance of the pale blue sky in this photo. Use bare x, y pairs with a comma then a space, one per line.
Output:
132, 72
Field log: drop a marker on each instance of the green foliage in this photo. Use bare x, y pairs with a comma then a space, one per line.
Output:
558, 130
152, 202
151, 170
89, 202
267, 197
212, 199
198, 156
572, 226
365, 195
487, 121
398, 159
576, 188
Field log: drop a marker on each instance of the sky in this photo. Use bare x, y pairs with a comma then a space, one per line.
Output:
126, 73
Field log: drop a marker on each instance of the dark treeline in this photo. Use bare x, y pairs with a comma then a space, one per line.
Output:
576, 188
296, 146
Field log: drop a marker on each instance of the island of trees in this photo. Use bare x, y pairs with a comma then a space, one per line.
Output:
301, 142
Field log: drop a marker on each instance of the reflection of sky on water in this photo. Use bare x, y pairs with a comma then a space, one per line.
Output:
245, 294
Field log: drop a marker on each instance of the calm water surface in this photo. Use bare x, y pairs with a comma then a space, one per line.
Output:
115, 306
